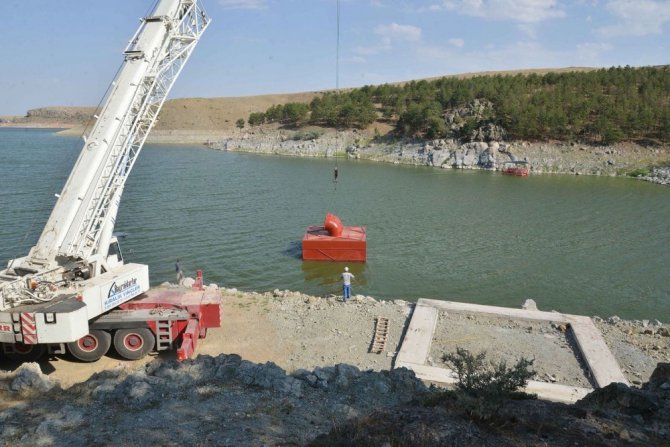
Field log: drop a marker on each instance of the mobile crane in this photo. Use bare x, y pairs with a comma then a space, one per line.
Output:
73, 289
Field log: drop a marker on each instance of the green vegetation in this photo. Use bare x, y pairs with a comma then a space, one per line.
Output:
601, 107
306, 135
293, 114
483, 388
498, 380
240, 123
256, 119
343, 110
639, 172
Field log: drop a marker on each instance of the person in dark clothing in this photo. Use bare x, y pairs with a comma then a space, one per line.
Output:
180, 273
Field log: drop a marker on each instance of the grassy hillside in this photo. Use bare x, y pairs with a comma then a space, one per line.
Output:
601, 106
211, 114
214, 114
569, 104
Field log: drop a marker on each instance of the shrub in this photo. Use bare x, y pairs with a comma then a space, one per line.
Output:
484, 388
639, 172
306, 135
295, 114
475, 378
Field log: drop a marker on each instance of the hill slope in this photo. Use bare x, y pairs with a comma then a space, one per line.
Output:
213, 115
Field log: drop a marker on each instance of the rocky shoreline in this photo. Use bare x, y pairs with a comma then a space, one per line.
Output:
542, 158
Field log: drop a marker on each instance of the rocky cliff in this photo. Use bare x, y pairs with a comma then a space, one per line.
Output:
545, 157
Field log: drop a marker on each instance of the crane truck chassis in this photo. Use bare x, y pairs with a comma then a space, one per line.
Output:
73, 291
159, 319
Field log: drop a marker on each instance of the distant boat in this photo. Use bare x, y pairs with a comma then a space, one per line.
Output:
518, 168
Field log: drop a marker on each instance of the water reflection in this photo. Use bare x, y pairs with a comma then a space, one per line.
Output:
294, 250
327, 274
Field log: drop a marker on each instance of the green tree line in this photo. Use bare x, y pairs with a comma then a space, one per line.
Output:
600, 106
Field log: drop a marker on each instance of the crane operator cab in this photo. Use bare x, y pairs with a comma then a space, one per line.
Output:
114, 255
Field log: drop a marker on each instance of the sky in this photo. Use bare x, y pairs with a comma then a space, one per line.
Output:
65, 53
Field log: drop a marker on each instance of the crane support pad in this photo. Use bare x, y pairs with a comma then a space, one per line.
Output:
189, 340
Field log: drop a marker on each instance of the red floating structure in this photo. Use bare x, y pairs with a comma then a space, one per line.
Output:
518, 168
332, 241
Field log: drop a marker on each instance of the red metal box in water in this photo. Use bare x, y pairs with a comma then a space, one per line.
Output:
319, 245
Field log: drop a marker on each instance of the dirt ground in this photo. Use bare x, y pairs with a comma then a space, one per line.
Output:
294, 331
298, 331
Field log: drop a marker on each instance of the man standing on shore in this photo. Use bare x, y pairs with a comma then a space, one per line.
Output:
346, 284
180, 273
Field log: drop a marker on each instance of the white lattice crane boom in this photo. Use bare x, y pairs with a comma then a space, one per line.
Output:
82, 221
69, 276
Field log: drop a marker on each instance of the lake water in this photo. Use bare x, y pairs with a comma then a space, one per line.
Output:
584, 245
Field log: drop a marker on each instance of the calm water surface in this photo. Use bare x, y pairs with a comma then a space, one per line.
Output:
585, 245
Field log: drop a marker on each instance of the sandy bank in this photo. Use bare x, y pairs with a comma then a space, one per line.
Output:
298, 331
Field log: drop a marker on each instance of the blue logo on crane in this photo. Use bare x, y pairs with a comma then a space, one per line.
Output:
122, 292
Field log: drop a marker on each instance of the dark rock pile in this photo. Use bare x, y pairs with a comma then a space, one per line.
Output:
220, 400
225, 400
616, 415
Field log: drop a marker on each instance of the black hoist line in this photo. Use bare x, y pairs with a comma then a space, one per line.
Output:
337, 90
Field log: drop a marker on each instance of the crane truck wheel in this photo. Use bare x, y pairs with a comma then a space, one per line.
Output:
91, 347
26, 353
133, 344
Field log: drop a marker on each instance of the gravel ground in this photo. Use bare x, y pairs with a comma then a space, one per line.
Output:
297, 331
340, 332
638, 346
301, 331
556, 356
287, 367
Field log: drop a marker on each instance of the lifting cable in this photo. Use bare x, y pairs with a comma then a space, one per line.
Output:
337, 92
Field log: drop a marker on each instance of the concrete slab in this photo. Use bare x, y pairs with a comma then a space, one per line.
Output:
548, 391
601, 361
416, 344
556, 392
496, 311
415, 347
